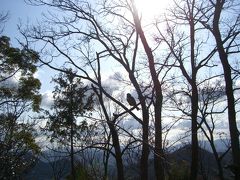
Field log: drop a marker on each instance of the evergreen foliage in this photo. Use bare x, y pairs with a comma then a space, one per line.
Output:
19, 93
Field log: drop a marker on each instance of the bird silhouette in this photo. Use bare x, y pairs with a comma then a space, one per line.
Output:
131, 101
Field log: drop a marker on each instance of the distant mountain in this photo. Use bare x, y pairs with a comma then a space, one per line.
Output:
207, 162
180, 157
44, 170
184, 154
41, 170
220, 144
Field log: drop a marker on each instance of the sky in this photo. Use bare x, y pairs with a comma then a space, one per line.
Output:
20, 11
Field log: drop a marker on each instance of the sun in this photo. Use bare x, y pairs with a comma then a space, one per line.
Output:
149, 9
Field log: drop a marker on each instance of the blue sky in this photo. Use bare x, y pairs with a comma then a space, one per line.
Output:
18, 11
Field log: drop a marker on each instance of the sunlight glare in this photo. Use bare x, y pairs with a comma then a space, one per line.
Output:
151, 8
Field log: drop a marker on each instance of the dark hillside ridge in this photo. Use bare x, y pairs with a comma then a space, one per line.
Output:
179, 158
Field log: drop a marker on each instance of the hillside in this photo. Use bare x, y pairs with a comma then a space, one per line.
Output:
178, 162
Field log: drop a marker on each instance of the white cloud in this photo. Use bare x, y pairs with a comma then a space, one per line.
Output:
11, 82
111, 85
130, 124
47, 99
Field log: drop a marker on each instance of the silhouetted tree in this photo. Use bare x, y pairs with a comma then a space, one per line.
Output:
112, 33
57, 159
182, 37
71, 101
211, 95
227, 43
17, 138
3, 18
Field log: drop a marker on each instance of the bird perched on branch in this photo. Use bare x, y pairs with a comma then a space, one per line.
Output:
131, 101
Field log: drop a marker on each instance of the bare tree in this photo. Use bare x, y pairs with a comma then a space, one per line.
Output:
3, 18
57, 161
227, 45
211, 95
119, 44
185, 47
87, 36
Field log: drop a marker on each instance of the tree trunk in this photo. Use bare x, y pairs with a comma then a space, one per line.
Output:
72, 154
115, 138
234, 134
194, 100
145, 152
220, 169
145, 128
106, 159
117, 148
158, 151
194, 162
72, 132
